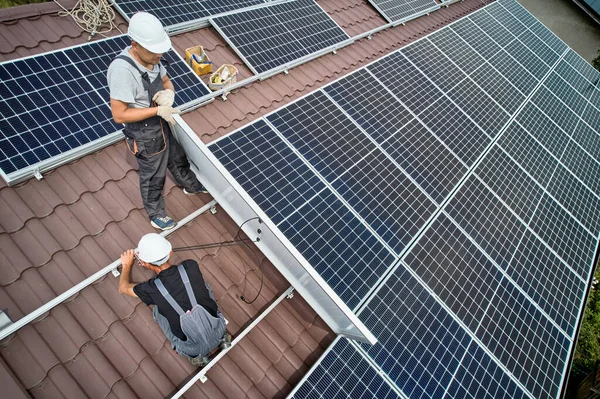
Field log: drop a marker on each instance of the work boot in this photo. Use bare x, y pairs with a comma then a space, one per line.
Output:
225, 341
163, 223
199, 361
201, 190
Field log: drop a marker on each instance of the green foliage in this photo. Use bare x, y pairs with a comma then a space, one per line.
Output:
12, 3
596, 61
587, 352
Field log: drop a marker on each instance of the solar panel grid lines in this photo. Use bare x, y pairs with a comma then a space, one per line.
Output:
344, 372
418, 346
485, 218
340, 247
582, 165
488, 328
379, 113
507, 324
550, 282
553, 224
279, 35
321, 130
473, 379
517, 189
448, 263
183, 13
403, 10
562, 277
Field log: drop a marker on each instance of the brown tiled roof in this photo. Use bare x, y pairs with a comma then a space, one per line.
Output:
56, 232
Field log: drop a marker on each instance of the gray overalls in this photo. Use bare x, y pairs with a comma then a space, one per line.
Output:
155, 148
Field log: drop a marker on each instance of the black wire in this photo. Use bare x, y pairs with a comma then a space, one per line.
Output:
236, 241
262, 273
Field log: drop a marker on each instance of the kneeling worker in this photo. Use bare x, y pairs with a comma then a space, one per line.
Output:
184, 306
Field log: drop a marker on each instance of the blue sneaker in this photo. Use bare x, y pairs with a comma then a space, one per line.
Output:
202, 190
163, 223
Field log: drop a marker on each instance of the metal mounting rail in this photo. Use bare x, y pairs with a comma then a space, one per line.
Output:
201, 375
5, 332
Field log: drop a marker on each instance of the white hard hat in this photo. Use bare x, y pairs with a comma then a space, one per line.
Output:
148, 32
154, 248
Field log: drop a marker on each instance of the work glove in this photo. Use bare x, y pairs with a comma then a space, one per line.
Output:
164, 98
167, 113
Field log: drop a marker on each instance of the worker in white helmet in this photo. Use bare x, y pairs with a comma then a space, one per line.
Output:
141, 97
184, 306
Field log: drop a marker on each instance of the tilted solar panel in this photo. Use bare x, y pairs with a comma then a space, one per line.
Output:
54, 106
270, 37
182, 11
404, 10
475, 168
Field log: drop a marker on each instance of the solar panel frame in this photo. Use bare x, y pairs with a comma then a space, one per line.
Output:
271, 53
400, 11
74, 100
187, 15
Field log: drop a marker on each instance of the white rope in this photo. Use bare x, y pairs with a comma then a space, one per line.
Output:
92, 16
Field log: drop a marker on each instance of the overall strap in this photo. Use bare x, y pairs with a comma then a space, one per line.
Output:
151, 87
168, 297
188, 285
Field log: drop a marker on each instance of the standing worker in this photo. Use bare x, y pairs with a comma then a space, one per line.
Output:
184, 306
141, 97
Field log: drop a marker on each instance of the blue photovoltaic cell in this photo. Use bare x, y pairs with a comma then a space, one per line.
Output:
340, 248
426, 159
452, 266
274, 176
525, 341
581, 163
353, 165
370, 104
419, 345
576, 198
510, 183
183, 11
571, 241
546, 132
272, 36
528, 153
343, 374
397, 10
485, 218
555, 287
480, 377
456, 130
411, 86
57, 102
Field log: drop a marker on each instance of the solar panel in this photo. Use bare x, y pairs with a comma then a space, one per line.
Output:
403, 10
480, 178
54, 106
344, 373
279, 35
182, 12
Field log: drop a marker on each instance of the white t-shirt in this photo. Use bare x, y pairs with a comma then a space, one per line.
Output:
125, 82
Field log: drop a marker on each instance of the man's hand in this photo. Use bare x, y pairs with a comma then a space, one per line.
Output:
167, 113
164, 98
125, 285
127, 258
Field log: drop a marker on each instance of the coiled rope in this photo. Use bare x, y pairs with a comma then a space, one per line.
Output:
92, 16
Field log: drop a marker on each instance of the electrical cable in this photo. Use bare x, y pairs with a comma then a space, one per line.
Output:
236, 241
91, 15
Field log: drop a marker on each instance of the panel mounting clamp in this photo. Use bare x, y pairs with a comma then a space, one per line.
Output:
37, 174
